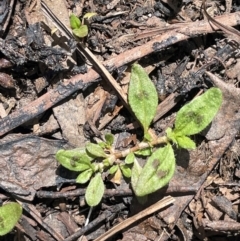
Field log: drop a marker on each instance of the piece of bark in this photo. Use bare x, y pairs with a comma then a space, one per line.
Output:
71, 118
25, 162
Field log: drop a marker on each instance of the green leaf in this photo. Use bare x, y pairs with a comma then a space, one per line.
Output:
75, 22
129, 158
126, 171
147, 137
197, 115
95, 150
81, 32
102, 144
113, 169
157, 171
74, 160
142, 96
186, 142
109, 139
171, 135
89, 15
182, 141
84, 176
136, 171
95, 191
10, 213
106, 162
144, 152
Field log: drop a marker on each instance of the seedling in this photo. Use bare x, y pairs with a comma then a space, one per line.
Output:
95, 159
80, 29
10, 213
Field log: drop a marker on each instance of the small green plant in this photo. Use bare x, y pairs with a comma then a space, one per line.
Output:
94, 159
80, 29
10, 213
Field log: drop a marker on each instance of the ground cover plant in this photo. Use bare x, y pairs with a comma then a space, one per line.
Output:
80, 29
64, 86
94, 159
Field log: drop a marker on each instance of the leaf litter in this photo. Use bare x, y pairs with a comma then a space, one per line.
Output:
205, 184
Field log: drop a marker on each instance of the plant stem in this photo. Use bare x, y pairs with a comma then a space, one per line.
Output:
88, 217
140, 146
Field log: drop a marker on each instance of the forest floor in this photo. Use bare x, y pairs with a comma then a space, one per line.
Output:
57, 94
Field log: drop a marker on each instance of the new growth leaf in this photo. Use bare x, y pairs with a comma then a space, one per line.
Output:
80, 29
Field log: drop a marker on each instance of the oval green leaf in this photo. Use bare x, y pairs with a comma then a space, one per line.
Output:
129, 158
95, 191
84, 176
126, 171
74, 160
185, 142
81, 32
197, 115
95, 150
109, 139
157, 171
144, 152
142, 96
113, 169
75, 22
10, 213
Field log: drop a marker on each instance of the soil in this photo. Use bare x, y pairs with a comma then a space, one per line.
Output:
59, 92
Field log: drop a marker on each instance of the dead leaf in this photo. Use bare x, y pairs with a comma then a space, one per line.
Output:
28, 163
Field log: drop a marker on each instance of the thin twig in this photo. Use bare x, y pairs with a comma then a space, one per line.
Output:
166, 201
106, 214
96, 63
113, 192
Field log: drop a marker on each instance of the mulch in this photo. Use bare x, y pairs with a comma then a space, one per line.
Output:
56, 94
